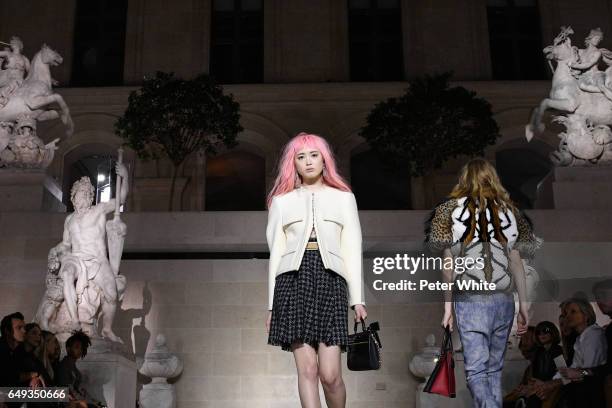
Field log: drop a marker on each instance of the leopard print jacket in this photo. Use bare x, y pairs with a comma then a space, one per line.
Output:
439, 235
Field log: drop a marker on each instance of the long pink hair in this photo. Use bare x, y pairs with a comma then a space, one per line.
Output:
288, 177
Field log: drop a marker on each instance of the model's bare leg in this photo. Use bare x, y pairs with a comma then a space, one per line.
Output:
330, 373
308, 379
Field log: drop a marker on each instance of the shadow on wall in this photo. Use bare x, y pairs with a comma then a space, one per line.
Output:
139, 333
138, 337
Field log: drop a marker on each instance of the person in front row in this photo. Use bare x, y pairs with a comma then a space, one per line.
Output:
68, 375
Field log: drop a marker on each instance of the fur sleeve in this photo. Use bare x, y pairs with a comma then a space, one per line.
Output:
439, 227
527, 243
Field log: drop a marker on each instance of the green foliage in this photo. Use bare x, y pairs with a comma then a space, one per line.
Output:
430, 124
178, 117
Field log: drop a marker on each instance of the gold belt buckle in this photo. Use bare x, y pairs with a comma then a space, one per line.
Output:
312, 245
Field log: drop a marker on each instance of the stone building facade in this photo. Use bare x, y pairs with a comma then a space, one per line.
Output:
212, 310
305, 81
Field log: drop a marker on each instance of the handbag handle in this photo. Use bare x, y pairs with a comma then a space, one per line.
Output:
363, 327
447, 342
374, 327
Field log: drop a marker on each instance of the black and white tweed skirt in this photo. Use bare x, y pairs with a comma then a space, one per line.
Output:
309, 306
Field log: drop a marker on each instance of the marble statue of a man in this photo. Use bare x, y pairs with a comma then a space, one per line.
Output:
90, 287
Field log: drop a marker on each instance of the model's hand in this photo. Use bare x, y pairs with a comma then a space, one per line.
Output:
521, 321
447, 320
268, 320
360, 312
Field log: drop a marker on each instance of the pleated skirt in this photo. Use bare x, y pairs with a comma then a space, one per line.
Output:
310, 306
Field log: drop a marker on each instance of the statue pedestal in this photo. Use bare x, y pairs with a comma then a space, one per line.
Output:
29, 190
582, 188
109, 373
158, 395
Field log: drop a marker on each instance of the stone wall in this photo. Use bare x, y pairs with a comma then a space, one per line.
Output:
213, 310
304, 41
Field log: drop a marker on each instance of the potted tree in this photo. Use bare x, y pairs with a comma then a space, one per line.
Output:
176, 118
429, 124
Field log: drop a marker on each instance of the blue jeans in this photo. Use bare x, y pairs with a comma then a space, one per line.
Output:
484, 322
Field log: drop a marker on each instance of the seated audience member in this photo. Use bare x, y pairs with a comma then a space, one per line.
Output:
30, 362
590, 350
568, 336
546, 394
544, 367
45, 357
12, 354
603, 296
12, 328
48, 354
67, 373
548, 348
527, 346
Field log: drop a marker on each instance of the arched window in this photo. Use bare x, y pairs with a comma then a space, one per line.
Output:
235, 181
99, 42
379, 188
515, 39
375, 40
96, 161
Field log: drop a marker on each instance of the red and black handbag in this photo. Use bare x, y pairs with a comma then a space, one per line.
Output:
442, 379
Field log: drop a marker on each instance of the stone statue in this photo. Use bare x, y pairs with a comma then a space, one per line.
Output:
53, 297
90, 286
582, 91
23, 148
16, 66
27, 97
586, 67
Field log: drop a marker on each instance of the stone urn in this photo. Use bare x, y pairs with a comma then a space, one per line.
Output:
159, 364
423, 363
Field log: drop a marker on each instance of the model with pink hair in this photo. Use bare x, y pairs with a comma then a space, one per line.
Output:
315, 269
288, 178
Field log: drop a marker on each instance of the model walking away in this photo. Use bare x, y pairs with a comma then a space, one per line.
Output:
480, 222
315, 268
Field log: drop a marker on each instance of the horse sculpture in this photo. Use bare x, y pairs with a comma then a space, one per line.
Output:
587, 110
35, 97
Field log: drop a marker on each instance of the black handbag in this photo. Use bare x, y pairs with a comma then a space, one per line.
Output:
364, 348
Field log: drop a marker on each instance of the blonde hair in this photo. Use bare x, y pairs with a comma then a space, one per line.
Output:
479, 180
480, 184
42, 354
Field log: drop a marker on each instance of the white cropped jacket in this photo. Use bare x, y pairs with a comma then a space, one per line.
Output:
336, 222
